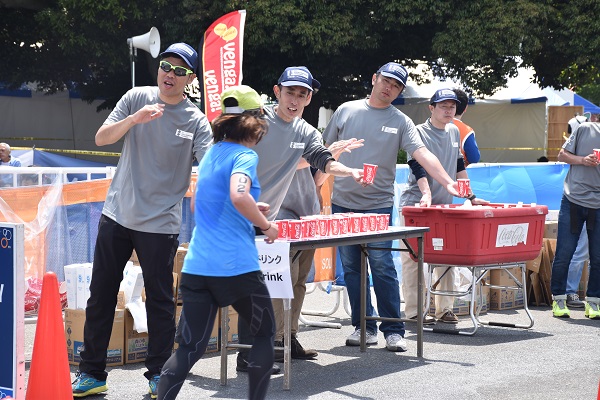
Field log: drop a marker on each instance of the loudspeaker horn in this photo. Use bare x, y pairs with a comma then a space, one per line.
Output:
149, 42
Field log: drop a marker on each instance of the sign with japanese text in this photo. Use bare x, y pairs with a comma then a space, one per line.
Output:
274, 261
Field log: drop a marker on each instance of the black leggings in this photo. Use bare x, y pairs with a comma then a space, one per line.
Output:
193, 333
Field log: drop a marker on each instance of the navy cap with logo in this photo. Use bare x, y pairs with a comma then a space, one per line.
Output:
395, 71
298, 76
185, 51
443, 95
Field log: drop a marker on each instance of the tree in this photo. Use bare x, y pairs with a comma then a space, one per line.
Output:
81, 44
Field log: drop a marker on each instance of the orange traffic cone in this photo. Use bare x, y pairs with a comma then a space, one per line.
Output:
49, 375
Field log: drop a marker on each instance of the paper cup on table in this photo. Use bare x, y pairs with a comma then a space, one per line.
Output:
364, 223
369, 171
383, 222
372, 222
282, 227
464, 186
294, 229
354, 224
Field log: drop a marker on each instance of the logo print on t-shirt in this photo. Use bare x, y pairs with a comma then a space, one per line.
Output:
388, 129
296, 145
184, 134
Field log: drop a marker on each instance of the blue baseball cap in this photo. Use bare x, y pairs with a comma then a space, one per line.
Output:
298, 76
185, 51
395, 71
443, 95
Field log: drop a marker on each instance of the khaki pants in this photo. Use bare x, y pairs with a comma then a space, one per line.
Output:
410, 278
299, 270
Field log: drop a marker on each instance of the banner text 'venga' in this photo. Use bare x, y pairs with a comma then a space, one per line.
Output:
229, 56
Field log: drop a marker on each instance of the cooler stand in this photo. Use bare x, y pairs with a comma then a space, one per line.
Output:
474, 291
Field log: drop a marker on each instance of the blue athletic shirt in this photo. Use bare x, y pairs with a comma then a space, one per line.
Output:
222, 242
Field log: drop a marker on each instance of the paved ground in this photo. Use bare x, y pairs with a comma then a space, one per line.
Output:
556, 359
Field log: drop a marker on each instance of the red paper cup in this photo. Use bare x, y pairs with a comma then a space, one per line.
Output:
355, 224
294, 229
364, 223
282, 226
323, 224
383, 222
311, 228
372, 222
334, 226
344, 224
369, 171
597, 153
464, 186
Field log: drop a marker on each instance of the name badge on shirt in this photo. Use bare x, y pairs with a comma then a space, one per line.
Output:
184, 134
387, 129
296, 145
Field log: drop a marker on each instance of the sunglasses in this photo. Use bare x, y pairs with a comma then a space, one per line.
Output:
178, 71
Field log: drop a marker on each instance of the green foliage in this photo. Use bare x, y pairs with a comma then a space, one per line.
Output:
82, 43
401, 159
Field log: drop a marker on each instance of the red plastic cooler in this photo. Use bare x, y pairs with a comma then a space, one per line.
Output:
479, 235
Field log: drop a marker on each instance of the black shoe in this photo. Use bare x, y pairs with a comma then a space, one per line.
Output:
242, 366
300, 353
574, 302
278, 353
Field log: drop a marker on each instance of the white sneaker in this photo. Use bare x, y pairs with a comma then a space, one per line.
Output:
354, 338
395, 342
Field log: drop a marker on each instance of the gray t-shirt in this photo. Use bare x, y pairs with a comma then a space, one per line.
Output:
445, 145
154, 170
582, 184
279, 152
301, 198
385, 131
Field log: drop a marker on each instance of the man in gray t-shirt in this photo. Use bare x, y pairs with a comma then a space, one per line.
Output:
289, 140
385, 130
580, 203
442, 138
163, 132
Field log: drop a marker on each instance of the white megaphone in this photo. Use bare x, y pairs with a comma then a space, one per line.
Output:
149, 42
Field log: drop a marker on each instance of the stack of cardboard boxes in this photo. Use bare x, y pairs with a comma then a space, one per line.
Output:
126, 345
539, 270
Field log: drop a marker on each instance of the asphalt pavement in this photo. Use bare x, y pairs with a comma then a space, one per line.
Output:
555, 359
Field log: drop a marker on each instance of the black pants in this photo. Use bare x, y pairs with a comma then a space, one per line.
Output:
156, 252
202, 297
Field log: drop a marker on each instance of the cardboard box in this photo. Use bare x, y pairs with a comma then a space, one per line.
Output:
461, 306
136, 344
84, 277
551, 229
500, 277
534, 265
71, 282
213, 342
505, 299
133, 283
74, 323
178, 265
232, 321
